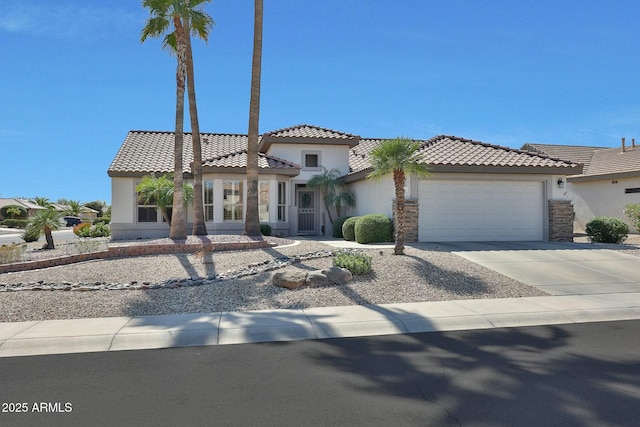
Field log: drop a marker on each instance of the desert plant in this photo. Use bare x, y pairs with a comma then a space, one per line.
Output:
31, 234
337, 226
607, 230
82, 229
47, 220
348, 228
10, 254
265, 229
100, 230
328, 182
102, 220
356, 262
373, 228
632, 211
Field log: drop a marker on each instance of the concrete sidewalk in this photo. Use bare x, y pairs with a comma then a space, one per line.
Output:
152, 332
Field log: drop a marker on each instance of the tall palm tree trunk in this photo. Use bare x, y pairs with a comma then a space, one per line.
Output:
252, 219
398, 180
178, 226
199, 227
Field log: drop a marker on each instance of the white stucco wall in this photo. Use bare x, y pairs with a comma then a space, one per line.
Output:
602, 198
373, 196
332, 156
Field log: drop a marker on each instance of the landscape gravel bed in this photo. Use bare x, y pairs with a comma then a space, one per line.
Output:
425, 274
422, 275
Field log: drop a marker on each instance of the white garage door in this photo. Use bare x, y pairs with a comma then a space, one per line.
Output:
480, 211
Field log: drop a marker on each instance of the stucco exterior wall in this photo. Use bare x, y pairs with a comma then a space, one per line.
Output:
602, 198
373, 196
331, 156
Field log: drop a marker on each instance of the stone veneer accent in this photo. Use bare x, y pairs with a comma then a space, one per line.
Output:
411, 208
560, 221
137, 250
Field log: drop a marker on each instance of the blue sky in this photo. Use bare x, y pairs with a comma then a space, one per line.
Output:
76, 78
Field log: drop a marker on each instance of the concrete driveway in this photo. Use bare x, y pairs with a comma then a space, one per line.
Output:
556, 268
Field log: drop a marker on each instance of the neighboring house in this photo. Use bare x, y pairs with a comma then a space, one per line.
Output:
610, 179
31, 207
477, 191
85, 212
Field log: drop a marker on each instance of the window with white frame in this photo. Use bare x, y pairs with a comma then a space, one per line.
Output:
263, 201
311, 160
282, 201
207, 197
232, 200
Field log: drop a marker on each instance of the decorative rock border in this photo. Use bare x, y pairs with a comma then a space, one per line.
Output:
135, 250
169, 284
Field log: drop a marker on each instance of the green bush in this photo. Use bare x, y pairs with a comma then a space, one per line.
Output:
607, 230
265, 229
102, 220
373, 228
13, 212
100, 230
337, 226
82, 230
348, 228
356, 262
632, 211
31, 234
15, 223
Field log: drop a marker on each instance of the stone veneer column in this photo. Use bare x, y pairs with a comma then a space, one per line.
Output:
560, 221
411, 208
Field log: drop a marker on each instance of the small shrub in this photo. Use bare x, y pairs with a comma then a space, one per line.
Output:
373, 228
632, 211
86, 246
13, 212
100, 230
265, 229
348, 228
31, 234
337, 226
10, 254
102, 220
607, 230
15, 223
82, 230
356, 262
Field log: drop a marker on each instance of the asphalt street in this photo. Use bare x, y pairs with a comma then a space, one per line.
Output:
564, 375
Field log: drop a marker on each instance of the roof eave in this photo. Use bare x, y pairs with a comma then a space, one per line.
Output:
604, 176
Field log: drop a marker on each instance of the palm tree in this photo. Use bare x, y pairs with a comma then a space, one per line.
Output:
397, 156
74, 208
160, 191
328, 182
199, 24
42, 201
46, 221
252, 219
162, 13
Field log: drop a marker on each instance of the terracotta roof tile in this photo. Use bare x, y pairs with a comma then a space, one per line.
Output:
309, 131
575, 153
446, 150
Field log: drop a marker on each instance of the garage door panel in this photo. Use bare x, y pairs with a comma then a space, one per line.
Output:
480, 210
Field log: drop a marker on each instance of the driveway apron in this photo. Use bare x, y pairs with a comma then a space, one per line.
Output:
556, 268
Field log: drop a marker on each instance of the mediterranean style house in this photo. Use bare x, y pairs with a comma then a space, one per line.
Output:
610, 179
476, 191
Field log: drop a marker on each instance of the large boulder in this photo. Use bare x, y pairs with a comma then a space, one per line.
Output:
317, 278
289, 279
338, 275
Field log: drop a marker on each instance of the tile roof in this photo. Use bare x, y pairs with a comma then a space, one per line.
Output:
453, 152
575, 153
238, 159
309, 131
598, 161
144, 152
614, 161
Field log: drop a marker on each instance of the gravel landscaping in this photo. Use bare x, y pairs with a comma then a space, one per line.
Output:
425, 274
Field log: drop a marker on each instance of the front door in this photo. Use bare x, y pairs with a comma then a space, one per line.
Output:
306, 212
